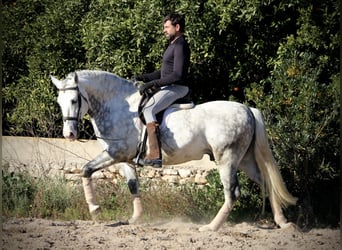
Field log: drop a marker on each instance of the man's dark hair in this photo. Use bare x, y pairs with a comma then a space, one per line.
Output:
176, 19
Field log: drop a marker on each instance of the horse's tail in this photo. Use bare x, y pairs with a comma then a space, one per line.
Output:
267, 165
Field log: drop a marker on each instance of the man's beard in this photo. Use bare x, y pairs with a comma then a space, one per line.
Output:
170, 37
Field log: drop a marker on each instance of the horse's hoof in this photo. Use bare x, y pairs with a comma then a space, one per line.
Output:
289, 226
206, 228
95, 211
132, 221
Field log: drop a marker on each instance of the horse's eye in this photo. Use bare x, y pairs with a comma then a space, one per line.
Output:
73, 101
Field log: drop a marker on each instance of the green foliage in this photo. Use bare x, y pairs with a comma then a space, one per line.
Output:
18, 192
300, 102
232, 43
114, 199
59, 199
163, 201
123, 36
209, 199
55, 198
249, 206
45, 197
48, 44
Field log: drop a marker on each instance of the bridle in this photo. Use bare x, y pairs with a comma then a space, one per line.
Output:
80, 97
78, 118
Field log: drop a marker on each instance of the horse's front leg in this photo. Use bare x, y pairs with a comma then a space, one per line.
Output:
101, 161
90, 197
133, 185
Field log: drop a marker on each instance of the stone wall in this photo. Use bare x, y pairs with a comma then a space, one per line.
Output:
59, 157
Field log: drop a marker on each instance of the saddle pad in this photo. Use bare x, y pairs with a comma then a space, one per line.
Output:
174, 107
188, 105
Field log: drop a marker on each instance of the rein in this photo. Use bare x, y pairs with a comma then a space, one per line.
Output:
108, 139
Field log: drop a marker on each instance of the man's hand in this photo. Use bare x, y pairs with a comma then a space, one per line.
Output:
145, 86
136, 82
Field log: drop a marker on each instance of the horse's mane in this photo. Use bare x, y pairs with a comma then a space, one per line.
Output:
97, 74
104, 78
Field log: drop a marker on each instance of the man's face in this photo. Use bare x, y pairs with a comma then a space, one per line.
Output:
171, 31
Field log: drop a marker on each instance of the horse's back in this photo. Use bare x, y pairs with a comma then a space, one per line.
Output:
228, 120
223, 108
210, 113
208, 128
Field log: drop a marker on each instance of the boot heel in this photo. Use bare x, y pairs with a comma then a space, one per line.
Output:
156, 163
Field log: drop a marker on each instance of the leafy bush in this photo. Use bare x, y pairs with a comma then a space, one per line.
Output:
23, 195
56, 198
48, 43
300, 102
18, 190
232, 45
207, 201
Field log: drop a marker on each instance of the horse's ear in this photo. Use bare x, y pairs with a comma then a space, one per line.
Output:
76, 78
56, 82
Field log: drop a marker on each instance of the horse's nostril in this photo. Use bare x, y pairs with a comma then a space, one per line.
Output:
70, 136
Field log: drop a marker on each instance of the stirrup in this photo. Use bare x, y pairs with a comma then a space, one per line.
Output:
156, 163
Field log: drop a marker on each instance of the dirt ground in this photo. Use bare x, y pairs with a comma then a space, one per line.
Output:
32, 233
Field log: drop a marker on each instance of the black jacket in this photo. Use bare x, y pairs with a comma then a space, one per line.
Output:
175, 65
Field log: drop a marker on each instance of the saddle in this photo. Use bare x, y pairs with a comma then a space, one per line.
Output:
181, 103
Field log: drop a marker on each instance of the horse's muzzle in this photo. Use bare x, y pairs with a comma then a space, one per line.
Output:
70, 130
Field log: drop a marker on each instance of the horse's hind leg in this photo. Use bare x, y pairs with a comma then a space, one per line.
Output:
133, 185
250, 167
231, 193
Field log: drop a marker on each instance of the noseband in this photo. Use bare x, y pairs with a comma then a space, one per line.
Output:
80, 96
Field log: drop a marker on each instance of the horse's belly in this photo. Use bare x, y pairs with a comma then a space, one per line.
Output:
182, 145
179, 158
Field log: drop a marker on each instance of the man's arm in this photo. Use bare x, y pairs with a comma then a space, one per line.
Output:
149, 76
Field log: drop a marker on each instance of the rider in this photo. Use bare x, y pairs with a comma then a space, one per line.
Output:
168, 83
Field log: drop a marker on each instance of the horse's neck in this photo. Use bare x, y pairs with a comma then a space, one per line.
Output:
110, 96
105, 86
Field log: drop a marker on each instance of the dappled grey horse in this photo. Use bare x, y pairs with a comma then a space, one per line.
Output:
232, 134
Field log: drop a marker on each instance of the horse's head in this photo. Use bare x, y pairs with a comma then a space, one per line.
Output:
73, 103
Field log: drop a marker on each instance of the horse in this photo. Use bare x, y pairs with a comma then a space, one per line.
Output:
232, 134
